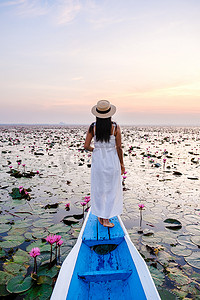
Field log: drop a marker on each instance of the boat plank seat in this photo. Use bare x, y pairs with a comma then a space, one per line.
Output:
96, 234
97, 276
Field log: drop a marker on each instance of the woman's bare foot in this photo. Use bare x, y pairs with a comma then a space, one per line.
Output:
100, 220
106, 223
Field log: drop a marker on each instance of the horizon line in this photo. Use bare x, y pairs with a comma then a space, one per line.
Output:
84, 124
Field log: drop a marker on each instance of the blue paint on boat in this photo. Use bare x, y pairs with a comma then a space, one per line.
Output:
104, 265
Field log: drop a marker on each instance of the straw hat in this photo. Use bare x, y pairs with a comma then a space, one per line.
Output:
103, 109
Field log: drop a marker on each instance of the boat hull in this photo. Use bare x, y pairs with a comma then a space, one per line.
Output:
109, 267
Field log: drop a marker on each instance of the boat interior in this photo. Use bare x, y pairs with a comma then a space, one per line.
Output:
104, 268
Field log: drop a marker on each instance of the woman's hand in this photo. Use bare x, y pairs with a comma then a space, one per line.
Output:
122, 169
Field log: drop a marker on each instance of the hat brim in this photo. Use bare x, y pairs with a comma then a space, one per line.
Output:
104, 116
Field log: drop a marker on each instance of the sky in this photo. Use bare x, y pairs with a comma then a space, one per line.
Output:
59, 57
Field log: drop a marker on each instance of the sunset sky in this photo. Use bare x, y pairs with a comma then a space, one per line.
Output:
59, 57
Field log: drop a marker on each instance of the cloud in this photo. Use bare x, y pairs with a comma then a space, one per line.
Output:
68, 10
63, 11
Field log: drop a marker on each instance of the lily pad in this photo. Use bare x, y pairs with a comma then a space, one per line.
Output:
164, 258
18, 284
196, 240
5, 277
173, 224
181, 250
194, 229
194, 260
12, 241
186, 241
42, 223
157, 276
4, 227
45, 271
58, 228
14, 268
2, 253
3, 290
15, 194
21, 257
42, 292
165, 294
43, 246
44, 279
69, 220
22, 224
178, 276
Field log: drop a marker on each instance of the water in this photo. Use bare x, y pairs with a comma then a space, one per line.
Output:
171, 250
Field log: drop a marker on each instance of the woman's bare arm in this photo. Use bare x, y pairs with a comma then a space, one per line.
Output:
88, 140
118, 142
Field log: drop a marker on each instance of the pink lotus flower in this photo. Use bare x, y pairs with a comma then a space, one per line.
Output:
35, 252
57, 238
50, 239
37, 172
87, 199
60, 242
83, 203
141, 206
124, 177
125, 173
164, 160
23, 165
67, 205
10, 167
20, 187
19, 163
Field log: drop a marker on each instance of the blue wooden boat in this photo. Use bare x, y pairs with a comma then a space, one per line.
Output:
104, 264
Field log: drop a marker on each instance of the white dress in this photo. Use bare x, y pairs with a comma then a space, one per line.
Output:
106, 181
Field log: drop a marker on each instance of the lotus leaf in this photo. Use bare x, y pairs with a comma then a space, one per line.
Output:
166, 295
15, 194
22, 224
151, 241
164, 257
186, 241
181, 294
4, 277
194, 259
14, 268
173, 224
178, 276
43, 246
17, 231
3, 290
12, 241
42, 292
58, 228
4, 227
18, 284
44, 279
21, 257
196, 240
45, 271
157, 276
195, 229
192, 288
181, 250
2, 253
42, 223
28, 235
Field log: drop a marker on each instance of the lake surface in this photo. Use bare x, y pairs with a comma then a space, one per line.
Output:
163, 172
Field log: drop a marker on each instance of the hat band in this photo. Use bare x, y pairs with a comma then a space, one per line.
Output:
103, 111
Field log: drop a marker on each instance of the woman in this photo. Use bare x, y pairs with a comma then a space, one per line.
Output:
107, 164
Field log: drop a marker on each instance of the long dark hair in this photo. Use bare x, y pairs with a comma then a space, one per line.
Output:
103, 129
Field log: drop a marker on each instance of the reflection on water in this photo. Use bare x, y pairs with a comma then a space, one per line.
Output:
163, 173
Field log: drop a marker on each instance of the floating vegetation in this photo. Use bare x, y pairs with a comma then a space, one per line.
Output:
51, 165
